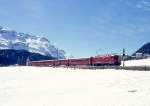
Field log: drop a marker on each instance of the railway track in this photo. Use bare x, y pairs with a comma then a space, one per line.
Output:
138, 68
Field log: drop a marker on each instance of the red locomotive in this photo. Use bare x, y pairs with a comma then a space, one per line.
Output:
92, 61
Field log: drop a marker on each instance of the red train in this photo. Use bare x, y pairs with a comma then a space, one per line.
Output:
92, 61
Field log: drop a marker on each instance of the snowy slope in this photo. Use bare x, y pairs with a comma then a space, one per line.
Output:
10, 39
35, 86
141, 62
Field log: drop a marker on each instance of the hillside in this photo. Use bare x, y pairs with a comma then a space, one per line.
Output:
145, 49
12, 57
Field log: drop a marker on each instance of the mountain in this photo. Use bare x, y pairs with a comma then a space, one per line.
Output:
20, 57
10, 39
145, 49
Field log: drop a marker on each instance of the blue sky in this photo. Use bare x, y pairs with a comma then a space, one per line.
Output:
82, 27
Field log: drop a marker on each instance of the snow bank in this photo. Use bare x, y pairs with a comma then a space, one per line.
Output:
36, 86
141, 62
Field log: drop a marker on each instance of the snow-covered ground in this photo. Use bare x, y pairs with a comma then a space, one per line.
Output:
141, 62
45, 86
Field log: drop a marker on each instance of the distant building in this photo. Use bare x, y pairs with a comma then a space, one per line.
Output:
139, 55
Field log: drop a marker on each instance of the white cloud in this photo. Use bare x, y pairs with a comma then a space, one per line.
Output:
144, 4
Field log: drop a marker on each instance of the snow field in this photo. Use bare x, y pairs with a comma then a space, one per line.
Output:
45, 86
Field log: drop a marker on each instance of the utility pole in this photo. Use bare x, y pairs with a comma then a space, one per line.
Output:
57, 53
28, 61
57, 64
123, 56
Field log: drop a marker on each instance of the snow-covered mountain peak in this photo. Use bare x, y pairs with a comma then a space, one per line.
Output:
10, 39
